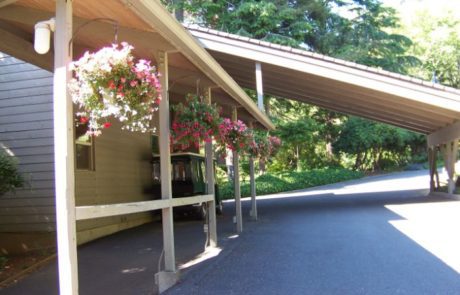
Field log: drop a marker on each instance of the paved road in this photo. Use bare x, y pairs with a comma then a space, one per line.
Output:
379, 235
341, 239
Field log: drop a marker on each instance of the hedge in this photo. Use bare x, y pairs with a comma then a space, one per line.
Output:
271, 183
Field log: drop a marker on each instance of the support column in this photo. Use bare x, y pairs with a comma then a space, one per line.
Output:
252, 180
450, 157
64, 152
260, 104
259, 87
435, 167
169, 276
236, 183
210, 182
432, 165
454, 158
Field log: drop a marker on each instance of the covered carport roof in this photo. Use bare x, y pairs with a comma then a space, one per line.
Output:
146, 25
334, 84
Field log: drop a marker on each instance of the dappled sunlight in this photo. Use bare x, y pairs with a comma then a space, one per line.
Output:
390, 184
209, 253
383, 183
133, 270
434, 226
6, 149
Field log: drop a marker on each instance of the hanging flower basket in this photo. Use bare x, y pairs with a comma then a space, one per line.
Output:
264, 146
235, 136
194, 122
110, 82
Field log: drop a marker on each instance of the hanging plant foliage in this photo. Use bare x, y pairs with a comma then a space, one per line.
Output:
235, 135
110, 82
264, 146
194, 121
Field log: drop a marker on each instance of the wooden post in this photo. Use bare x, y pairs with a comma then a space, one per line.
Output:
259, 87
64, 153
252, 180
236, 183
432, 166
210, 182
168, 277
452, 150
435, 162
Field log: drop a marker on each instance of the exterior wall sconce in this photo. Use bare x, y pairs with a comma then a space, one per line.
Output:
43, 31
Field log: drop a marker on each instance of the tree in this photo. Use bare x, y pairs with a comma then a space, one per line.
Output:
377, 146
368, 39
299, 138
362, 31
436, 35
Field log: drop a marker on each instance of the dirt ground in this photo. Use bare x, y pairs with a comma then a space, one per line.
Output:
13, 268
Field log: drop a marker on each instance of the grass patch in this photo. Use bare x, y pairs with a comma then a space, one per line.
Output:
271, 183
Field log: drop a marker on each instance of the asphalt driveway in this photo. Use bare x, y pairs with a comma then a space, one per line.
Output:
378, 235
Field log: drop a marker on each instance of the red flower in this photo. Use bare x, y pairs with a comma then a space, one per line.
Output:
107, 124
112, 84
84, 120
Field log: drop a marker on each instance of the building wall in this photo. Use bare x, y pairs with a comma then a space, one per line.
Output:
122, 160
26, 129
122, 174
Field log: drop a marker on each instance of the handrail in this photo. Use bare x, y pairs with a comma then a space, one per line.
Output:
97, 211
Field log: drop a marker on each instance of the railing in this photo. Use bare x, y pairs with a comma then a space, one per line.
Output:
97, 211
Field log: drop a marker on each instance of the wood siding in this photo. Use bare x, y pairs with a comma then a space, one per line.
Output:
122, 174
122, 159
26, 129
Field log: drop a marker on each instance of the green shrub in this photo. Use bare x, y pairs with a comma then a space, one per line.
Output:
271, 183
9, 175
3, 261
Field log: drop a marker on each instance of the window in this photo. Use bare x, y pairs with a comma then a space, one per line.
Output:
84, 147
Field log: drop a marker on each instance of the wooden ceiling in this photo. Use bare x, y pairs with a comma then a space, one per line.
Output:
335, 85
94, 29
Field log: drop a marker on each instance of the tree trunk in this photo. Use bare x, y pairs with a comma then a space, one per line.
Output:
329, 151
262, 166
267, 106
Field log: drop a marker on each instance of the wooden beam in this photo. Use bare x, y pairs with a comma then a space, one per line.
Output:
16, 45
210, 183
259, 87
153, 13
165, 165
64, 154
236, 182
252, 180
444, 135
98, 211
4, 3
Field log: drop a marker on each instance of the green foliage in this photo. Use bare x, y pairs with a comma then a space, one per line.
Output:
194, 121
271, 183
369, 42
9, 175
362, 31
436, 43
377, 146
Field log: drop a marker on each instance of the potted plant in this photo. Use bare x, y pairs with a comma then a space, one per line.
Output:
110, 82
264, 146
194, 121
235, 135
